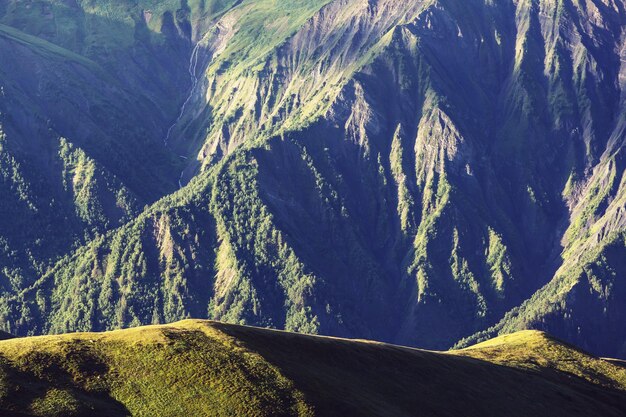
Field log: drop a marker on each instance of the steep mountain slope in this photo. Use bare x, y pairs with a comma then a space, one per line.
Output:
471, 149
401, 171
583, 303
206, 368
87, 91
53, 193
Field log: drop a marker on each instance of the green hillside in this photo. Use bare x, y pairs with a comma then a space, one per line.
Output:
582, 303
208, 368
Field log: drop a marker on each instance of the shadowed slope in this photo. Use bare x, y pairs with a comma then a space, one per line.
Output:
207, 368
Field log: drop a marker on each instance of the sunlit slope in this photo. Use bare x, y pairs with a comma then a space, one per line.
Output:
535, 350
207, 368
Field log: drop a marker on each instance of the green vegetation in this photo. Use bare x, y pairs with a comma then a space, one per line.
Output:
497, 259
207, 368
190, 368
537, 351
43, 46
82, 146
412, 172
581, 304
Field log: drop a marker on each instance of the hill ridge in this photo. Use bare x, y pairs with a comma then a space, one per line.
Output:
210, 368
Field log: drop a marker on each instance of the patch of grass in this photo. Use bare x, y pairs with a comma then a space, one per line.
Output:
44, 47
532, 349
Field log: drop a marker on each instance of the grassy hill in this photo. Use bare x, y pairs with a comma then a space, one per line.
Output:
207, 368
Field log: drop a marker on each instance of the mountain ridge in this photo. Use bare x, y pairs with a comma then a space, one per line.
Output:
355, 168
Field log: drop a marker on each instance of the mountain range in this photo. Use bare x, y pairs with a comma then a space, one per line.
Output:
431, 173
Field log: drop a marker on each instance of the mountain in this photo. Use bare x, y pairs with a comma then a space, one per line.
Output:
427, 173
82, 110
206, 368
581, 304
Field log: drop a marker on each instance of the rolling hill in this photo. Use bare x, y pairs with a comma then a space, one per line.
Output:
206, 368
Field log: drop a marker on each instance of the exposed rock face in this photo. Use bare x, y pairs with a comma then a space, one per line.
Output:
403, 171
